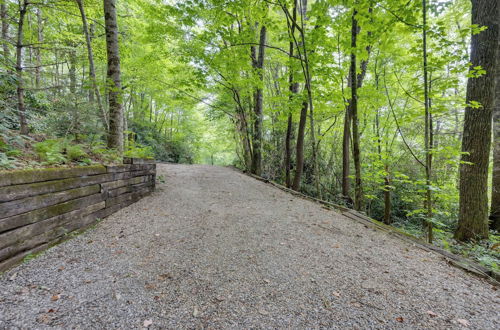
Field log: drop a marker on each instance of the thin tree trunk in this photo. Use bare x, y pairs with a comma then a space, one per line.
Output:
307, 76
115, 136
288, 151
495, 182
293, 88
245, 139
258, 111
346, 143
19, 68
358, 193
92, 74
72, 72
299, 153
349, 120
4, 15
387, 182
427, 133
72, 89
476, 142
38, 52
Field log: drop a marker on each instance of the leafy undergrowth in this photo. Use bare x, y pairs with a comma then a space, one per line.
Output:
37, 151
485, 252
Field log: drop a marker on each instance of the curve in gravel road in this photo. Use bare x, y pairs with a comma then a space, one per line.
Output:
215, 248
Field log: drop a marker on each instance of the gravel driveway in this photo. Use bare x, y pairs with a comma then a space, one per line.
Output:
214, 248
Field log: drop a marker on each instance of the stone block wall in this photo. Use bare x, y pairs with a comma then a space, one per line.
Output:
40, 207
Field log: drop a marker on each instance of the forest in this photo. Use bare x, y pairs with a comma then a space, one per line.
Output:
388, 107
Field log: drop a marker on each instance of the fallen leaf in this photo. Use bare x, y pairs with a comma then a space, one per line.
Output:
165, 276
432, 314
147, 323
60, 268
463, 322
55, 297
400, 319
44, 318
13, 277
51, 310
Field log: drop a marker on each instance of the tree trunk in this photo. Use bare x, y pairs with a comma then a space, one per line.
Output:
4, 15
293, 88
257, 131
72, 88
19, 68
346, 142
38, 52
245, 138
288, 151
387, 182
428, 128
299, 153
495, 194
358, 193
476, 142
115, 136
308, 87
92, 74
72, 71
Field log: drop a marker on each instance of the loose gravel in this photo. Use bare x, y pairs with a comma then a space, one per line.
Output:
213, 248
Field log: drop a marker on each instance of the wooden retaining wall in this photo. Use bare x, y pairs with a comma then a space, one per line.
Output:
41, 207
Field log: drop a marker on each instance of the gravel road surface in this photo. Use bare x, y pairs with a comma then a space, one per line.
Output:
213, 248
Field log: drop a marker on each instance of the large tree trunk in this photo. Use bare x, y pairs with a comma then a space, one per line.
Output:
4, 16
476, 142
115, 136
495, 194
19, 68
257, 131
90, 54
299, 153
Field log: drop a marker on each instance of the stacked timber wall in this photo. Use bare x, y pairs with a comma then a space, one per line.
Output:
41, 207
